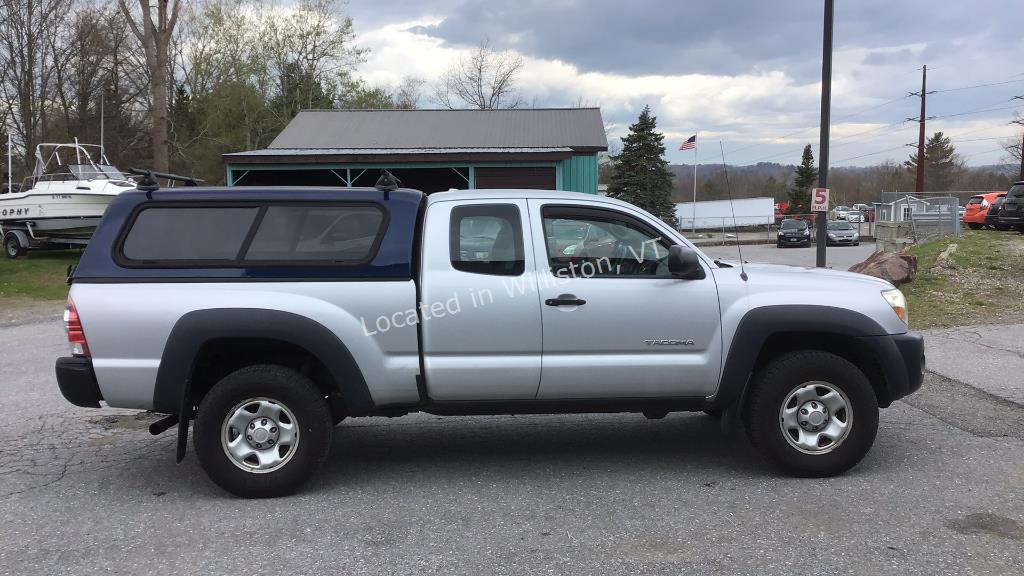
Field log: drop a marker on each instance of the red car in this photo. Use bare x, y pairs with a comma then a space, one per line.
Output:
977, 208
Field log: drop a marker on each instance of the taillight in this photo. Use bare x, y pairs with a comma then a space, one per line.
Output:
984, 203
73, 328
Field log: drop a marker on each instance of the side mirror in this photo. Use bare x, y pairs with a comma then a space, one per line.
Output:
684, 263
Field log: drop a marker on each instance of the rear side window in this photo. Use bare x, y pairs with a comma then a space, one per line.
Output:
229, 236
487, 239
170, 234
333, 233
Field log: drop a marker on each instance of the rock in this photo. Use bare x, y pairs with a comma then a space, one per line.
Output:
897, 268
944, 259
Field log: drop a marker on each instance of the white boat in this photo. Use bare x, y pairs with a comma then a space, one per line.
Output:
64, 198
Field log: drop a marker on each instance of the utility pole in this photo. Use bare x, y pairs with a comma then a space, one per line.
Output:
1020, 122
919, 184
821, 221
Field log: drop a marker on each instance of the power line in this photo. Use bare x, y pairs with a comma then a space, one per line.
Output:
979, 86
900, 147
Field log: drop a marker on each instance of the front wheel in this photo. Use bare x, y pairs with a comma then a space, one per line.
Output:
812, 413
262, 431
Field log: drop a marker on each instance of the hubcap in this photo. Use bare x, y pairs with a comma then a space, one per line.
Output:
259, 435
12, 247
816, 417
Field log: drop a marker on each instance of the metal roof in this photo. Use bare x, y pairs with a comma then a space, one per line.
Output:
351, 151
580, 129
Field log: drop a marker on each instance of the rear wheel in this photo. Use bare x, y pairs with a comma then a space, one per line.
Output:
262, 431
12, 246
974, 226
812, 414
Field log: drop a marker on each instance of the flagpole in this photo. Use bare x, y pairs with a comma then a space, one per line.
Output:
694, 230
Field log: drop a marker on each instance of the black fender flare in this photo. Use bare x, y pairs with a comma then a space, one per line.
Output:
193, 330
759, 324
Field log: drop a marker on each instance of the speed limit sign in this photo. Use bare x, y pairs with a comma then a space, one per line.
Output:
819, 200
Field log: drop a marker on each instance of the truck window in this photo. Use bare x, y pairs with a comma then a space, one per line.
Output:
487, 239
591, 242
176, 234
304, 233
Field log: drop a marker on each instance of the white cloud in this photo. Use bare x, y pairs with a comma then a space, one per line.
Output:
761, 115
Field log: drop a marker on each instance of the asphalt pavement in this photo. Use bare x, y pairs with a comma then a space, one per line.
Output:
91, 492
836, 257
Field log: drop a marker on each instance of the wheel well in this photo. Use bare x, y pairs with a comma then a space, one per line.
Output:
220, 357
846, 347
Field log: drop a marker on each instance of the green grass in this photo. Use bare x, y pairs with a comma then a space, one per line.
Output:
40, 275
986, 285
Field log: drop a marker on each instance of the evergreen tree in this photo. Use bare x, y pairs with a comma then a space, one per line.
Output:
641, 175
806, 177
942, 165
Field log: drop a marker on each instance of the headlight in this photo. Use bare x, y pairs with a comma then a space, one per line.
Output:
898, 301
780, 233
832, 236
856, 237
807, 232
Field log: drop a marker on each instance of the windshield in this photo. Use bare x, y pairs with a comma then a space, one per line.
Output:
839, 226
793, 224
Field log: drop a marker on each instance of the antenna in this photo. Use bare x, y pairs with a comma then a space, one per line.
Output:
103, 152
735, 228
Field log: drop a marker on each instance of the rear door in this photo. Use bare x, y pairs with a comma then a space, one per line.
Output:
481, 330
616, 323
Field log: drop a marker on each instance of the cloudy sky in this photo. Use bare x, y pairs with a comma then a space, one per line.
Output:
743, 72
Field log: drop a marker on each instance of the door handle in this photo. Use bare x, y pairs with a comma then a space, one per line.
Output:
565, 300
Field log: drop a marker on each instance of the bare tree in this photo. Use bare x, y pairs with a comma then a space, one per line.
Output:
407, 95
153, 25
29, 31
483, 80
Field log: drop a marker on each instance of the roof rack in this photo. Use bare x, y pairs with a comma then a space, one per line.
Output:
150, 182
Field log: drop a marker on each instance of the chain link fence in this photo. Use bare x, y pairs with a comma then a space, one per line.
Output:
923, 217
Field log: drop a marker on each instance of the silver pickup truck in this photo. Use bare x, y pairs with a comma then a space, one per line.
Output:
266, 316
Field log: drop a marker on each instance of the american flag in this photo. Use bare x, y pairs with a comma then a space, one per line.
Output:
690, 143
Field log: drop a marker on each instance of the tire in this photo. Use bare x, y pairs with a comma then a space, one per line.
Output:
974, 226
12, 246
856, 243
285, 397
715, 413
780, 388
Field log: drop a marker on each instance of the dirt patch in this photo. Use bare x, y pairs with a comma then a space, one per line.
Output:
986, 523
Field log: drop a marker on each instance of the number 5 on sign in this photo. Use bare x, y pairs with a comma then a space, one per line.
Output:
819, 200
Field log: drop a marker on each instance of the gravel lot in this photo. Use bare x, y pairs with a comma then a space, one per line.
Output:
90, 492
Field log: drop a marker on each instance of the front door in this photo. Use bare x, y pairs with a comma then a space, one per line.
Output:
616, 323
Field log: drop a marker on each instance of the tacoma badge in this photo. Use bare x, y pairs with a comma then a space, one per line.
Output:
669, 342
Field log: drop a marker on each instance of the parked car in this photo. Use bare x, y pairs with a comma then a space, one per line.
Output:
992, 216
1011, 213
460, 303
841, 233
840, 212
793, 233
857, 213
977, 208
